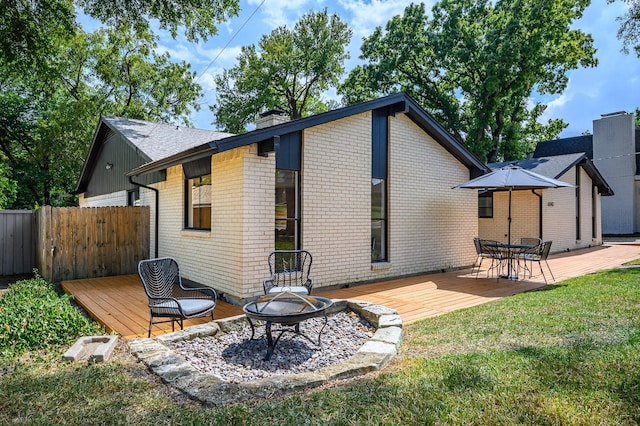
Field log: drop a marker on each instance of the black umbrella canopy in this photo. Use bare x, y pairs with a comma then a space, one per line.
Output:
510, 178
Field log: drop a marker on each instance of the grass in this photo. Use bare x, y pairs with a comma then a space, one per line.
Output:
566, 354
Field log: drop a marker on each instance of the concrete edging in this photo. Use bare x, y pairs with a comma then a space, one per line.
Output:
178, 372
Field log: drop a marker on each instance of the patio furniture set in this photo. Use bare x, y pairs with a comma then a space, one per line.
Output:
512, 259
287, 300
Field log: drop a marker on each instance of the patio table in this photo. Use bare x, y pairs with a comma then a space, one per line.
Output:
509, 253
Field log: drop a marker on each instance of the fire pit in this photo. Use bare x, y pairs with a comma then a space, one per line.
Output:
289, 310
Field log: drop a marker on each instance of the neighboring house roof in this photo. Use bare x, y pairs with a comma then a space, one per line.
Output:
565, 146
556, 165
152, 141
397, 103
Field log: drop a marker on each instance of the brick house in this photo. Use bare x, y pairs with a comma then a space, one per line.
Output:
569, 217
367, 189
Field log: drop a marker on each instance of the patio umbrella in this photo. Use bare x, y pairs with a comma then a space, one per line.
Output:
510, 178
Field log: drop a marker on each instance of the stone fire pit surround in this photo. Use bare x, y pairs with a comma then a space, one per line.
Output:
177, 372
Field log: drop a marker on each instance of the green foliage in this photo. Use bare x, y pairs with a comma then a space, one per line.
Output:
568, 354
49, 118
474, 66
288, 70
8, 187
56, 80
198, 18
629, 31
30, 31
34, 317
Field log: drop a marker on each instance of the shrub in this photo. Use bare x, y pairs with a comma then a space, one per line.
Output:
33, 316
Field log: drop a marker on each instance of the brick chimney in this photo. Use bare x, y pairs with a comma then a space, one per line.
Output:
271, 118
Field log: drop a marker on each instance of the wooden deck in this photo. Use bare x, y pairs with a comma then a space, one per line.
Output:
119, 303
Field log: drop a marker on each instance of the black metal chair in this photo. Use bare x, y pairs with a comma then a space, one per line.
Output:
168, 298
289, 270
526, 253
487, 249
540, 255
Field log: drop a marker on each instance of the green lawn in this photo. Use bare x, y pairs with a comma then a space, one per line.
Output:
566, 354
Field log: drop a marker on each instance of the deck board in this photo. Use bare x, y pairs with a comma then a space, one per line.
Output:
119, 303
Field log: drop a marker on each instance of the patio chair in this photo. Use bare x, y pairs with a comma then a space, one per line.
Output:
530, 241
168, 297
289, 270
525, 254
540, 255
487, 249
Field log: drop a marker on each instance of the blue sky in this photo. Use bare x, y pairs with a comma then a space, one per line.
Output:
614, 85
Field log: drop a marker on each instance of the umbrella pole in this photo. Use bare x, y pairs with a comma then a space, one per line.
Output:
509, 221
510, 259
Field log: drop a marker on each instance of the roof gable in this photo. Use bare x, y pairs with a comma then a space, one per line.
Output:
150, 141
556, 165
394, 104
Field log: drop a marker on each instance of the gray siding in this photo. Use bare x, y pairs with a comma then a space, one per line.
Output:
117, 157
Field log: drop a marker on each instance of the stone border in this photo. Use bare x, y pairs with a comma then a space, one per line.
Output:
176, 371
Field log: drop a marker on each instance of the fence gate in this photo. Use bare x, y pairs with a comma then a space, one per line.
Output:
17, 242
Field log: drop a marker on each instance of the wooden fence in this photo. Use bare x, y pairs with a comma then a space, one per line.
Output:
75, 243
17, 243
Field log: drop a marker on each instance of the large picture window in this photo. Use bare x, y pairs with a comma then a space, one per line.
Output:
198, 202
287, 210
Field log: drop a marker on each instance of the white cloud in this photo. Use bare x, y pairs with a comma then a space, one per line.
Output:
276, 13
366, 16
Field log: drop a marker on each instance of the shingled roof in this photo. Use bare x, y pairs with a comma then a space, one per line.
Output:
556, 165
565, 146
151, 141
158, 140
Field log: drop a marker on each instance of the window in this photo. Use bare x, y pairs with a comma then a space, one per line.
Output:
379, 162
133, 197
378, 220
578, 203
287, 202
485, 205
198, 202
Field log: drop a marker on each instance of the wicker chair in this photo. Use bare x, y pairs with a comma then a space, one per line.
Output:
289, 271
168, 298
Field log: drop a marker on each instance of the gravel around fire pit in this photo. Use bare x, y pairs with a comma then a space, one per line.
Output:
233, 357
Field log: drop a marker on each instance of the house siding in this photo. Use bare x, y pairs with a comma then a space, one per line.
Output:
431, 225
115, 199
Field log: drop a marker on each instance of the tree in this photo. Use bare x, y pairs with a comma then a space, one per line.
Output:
56, 80
49, 119
289, 70
629, 30
29, 30
475, 65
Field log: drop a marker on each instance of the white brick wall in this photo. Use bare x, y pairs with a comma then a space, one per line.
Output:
232, 256
431, 225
